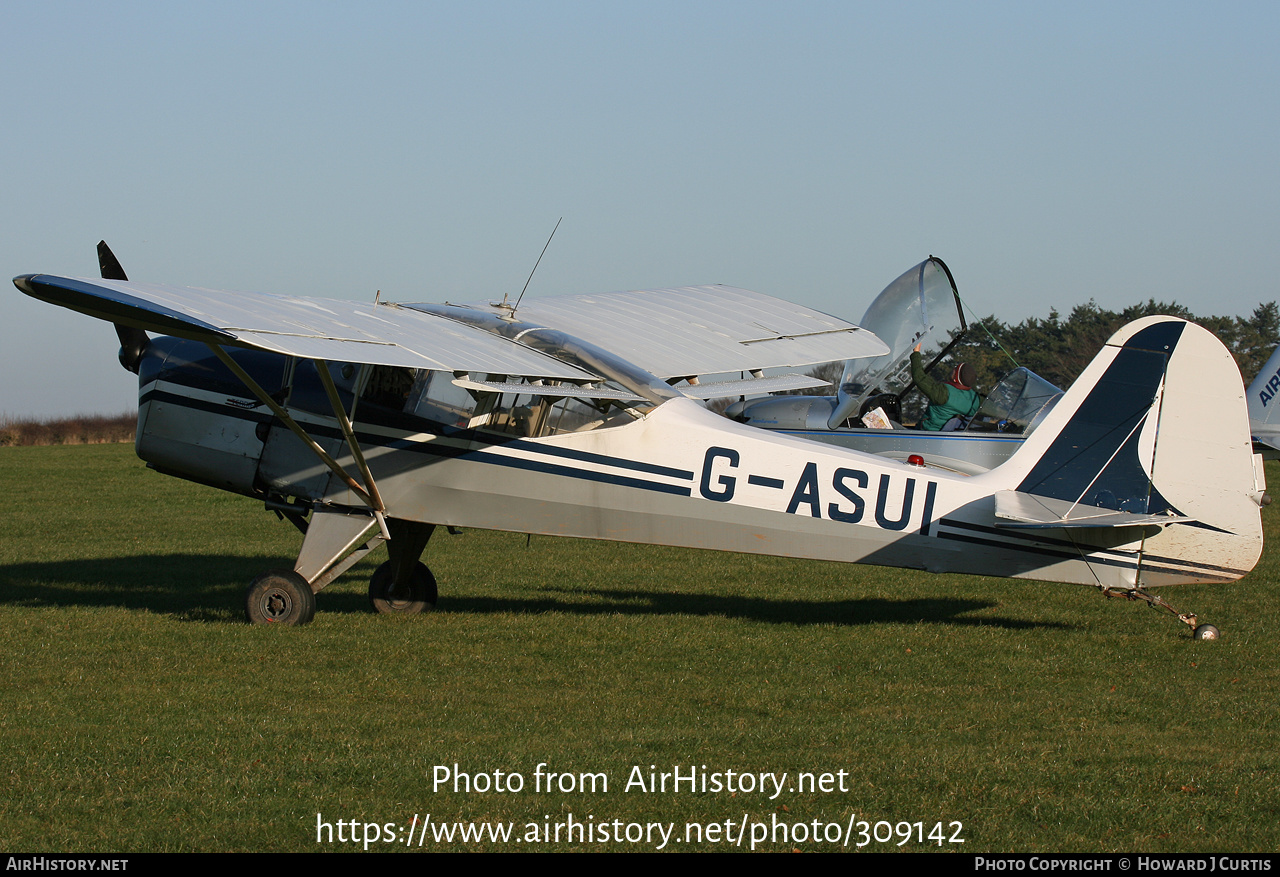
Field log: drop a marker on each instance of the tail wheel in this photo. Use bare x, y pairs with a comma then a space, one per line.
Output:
280, 597
417, 595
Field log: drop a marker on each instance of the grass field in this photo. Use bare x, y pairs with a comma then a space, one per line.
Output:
140, 713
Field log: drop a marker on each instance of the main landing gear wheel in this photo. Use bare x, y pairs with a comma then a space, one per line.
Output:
280, 596
418, 596
1205, 631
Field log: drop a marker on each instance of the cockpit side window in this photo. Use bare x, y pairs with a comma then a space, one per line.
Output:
388, 386
429, 401
518, 414
437, 398
193, 364
580, 415
307, 393
530, 415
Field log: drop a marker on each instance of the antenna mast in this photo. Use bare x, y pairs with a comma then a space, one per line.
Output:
535, 267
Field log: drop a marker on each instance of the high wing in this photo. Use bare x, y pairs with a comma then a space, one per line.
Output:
305, 327
697, 330
670, 333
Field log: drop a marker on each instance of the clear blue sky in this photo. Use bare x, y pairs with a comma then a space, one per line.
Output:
1050, 153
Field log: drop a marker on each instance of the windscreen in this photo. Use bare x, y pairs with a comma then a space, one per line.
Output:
1017, 404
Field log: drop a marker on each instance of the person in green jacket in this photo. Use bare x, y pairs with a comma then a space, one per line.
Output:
953, 400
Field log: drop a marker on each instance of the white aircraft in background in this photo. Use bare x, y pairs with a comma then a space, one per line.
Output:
920, 307
1264, 408
581, 416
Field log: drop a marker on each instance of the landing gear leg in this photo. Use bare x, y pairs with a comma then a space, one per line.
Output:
403, 585
331, 546
1198, 631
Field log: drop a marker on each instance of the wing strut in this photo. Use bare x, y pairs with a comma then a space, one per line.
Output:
371, 497
331, 391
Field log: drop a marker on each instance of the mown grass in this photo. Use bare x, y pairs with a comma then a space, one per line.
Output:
138, 712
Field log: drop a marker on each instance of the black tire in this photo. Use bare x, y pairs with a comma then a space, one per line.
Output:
280, 596
1206, 631
421, 597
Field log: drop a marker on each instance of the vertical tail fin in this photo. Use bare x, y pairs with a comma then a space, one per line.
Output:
1156, 430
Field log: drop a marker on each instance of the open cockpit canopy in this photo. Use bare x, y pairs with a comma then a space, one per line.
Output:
920, 307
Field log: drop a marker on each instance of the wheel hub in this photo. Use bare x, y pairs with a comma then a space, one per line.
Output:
276, 605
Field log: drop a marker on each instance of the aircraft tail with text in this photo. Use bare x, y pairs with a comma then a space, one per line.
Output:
1264, 408
1145, 465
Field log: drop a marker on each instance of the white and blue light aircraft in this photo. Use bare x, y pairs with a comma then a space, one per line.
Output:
581, 416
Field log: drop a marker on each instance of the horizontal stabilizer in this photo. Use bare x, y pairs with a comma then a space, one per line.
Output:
1025, 510
1265, 438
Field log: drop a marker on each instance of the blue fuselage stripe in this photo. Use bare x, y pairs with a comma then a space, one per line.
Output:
443, 450
581, 474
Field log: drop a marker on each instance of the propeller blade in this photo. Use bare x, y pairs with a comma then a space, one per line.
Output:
133, 341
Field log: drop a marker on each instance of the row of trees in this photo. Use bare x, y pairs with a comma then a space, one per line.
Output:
1059, 348
84, 429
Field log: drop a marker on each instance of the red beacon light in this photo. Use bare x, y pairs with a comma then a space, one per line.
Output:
915, 460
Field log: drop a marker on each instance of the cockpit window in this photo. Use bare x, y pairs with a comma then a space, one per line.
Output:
308, 392
437, 398
193, 364
1017, 404
530, 415
430, 401
388, 386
